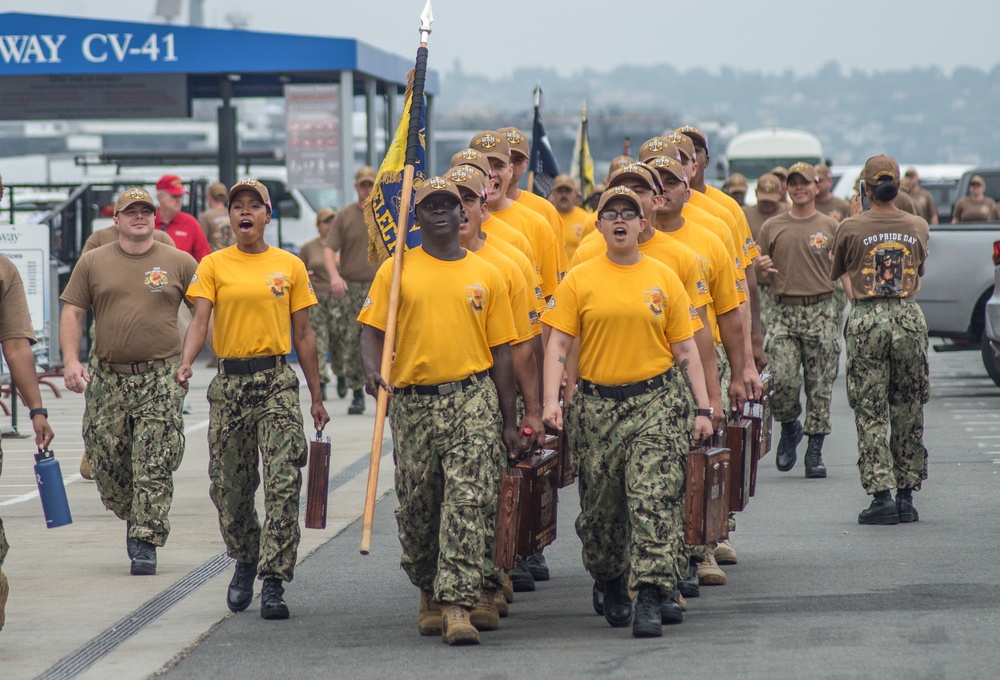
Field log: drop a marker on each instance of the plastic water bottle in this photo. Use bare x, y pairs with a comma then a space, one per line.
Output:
51, 490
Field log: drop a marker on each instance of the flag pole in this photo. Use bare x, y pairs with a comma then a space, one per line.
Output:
583, 144
412, 145
538, 102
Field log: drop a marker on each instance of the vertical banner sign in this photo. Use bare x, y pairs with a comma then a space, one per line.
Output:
312, 136
27, 246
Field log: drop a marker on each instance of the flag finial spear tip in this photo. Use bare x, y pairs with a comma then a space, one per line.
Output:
426, 19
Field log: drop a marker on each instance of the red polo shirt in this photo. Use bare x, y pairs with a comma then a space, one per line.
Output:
187, 233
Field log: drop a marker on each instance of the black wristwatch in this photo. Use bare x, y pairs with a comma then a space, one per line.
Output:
707, 412
38, 412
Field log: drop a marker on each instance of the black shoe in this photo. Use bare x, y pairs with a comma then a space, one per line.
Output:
882, 511
271, 604
791, 435
322, 391
670, 609
521, 578
647, 612
241, 587
690, 587
357, 406
617, 604
904, 507
537, 566
131, 544
598, 597
341, 387
144, 560
814, 457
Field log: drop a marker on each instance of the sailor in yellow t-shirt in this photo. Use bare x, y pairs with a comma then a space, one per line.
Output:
452, 381
574, 217
630, 423
260, 297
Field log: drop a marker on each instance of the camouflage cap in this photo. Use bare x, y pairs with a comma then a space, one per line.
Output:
468, 177
619, 192
434, 186
133, 196
881, 167
516, 140
250, 184
683, 143
768, 188
807, 171
492, 144
473, 158
696, 135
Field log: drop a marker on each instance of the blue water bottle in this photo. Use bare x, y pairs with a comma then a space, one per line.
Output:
51, 490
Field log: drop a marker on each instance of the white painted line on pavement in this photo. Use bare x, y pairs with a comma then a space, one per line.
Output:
34, 494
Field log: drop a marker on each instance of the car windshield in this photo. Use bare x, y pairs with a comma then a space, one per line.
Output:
755, 167
320, 198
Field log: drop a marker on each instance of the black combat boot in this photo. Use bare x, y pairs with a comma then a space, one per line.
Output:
690, 586
272, 606
341, 386
357, 406
521, 578
537, 566
598, 597
647, 612
791, 435
882, 511
240, 591
617, 604
814, 457
670, 609
904, 506
131, 544
144, 559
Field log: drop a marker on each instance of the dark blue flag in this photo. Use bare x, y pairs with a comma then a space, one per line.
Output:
542, 167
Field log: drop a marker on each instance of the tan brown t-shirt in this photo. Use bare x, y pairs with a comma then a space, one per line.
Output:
15, 319
923, 201
905, 203
218, 230
800, 249
134, 298
883, 255
103, 237
837, 208
313, 255
756, 218
349, 235
968, 209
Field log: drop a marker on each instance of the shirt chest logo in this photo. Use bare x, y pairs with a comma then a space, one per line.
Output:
156, 279
818, 242
475, 295
277, 283
654, 300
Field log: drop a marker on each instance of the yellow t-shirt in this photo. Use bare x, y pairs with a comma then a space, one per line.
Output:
500, 229
670, 252
719, 227
450, 314
716, 267
527, 322
588, 238
574, 224
542, 240
254, 296
527, 270
621, 313
551, 215
742, 233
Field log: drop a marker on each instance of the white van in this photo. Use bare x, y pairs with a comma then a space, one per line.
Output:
755, 152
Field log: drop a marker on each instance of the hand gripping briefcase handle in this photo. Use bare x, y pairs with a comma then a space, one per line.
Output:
319, 480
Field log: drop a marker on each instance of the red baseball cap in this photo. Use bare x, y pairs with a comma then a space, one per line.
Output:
172, 185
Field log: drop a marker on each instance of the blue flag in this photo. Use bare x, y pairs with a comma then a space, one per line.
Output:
542, 164
382, 208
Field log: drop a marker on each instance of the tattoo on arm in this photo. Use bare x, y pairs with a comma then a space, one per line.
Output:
562, 360
684, 372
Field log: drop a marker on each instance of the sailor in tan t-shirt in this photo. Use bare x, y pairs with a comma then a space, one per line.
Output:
768, 205
323, 316
803, 334
132, 425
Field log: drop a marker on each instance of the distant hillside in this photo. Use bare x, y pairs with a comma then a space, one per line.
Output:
918, 116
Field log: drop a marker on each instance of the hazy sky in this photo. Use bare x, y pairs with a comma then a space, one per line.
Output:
569, 35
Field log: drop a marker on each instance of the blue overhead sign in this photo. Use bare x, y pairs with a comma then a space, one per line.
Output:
34, 44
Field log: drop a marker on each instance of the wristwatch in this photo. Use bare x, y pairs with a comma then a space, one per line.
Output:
707, 412
38, 412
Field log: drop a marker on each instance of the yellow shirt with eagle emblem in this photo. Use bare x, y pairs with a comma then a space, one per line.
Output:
254, 296
527, 321
450, 314
800, 249
620, 313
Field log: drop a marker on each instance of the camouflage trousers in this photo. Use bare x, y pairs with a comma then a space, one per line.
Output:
133, 433
887, 386
4, 547
321, 321
448, 456
803, 345
766, 302
631, 457
725, 374
345, 334
260, 411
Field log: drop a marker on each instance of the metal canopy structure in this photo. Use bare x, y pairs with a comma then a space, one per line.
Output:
205, 63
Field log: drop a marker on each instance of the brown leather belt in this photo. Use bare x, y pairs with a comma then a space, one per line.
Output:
626, 391
802, 299
137, 367
887, 300
441, 389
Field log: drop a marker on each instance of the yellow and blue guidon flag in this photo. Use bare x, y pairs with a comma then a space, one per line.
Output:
382, 208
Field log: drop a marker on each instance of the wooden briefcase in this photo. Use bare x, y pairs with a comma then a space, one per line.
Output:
760, 413
742, 462
505, 538
318, 483
538, 500
706, 498
557, 442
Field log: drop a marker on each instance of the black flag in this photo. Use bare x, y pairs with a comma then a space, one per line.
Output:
542, 166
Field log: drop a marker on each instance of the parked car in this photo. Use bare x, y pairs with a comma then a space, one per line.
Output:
991, 335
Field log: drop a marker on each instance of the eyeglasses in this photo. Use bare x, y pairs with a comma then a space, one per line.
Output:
611, 215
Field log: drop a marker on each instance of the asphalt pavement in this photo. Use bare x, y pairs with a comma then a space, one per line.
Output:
814, 594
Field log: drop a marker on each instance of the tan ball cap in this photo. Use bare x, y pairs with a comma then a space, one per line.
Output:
434, 186
619, 192
133, 196
880, 167
516, 140
768, 188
